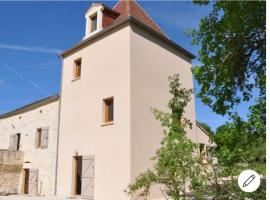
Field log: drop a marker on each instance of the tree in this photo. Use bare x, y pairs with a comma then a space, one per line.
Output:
234, 155
233, 57
176, 165
233, 53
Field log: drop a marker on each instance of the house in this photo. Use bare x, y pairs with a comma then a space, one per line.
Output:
100, 135
30, 134
110, 81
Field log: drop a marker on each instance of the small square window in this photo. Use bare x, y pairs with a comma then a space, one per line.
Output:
77, 68
108, 109
93, 20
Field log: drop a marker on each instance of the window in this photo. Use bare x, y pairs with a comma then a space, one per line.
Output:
202, 150
42, 138
77, 68
93, 20
14, 143
108, 109
18, 136
208, 152
38, 137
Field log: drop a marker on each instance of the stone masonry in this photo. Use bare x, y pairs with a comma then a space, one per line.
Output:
26, 121
11, 164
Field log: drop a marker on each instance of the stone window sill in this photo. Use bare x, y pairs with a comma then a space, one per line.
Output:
107, 124
76, 79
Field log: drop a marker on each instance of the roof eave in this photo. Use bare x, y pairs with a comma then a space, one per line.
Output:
124, 20
31, 106
164, 38
201, 127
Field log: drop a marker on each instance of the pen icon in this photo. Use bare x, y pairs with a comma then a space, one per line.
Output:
249, 180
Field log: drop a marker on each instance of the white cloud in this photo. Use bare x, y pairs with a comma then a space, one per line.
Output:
31, 82
31, 49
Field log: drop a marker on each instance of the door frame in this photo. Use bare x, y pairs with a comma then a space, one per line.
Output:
25, 184
74, 174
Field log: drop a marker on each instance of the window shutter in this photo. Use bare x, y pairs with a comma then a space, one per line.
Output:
44, 138
87, 178
36, 139
15, 142
11, 142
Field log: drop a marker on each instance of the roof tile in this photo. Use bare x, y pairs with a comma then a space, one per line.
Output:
131, 8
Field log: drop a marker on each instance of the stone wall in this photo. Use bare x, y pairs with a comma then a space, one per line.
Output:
26, 124
11, 164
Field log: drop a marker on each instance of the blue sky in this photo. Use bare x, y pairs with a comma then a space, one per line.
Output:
33, 34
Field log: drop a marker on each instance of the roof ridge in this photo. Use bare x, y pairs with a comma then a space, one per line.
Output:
128, 8
150, 18
115, 4
133, 8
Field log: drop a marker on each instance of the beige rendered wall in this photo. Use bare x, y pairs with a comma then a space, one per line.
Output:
42, 159
202, 136
105, 73
152, 62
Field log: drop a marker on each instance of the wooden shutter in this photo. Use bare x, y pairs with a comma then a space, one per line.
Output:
11, 142
37, 139
44, 138
33, 182
15, 142
87, 178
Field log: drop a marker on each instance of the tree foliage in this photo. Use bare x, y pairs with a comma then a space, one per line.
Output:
233, 46
233, 57
176, 166
235, 152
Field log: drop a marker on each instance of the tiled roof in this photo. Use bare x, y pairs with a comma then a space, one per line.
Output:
133, 9
127, 11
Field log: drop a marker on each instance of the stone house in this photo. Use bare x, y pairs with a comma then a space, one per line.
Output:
33, 130
101, 134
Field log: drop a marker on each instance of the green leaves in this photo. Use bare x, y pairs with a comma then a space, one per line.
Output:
232, 53
238, 149
142, 184
233, 57
176, 164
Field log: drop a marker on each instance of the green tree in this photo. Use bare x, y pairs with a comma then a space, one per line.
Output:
234, 155
176, 166
233, 53
233, 57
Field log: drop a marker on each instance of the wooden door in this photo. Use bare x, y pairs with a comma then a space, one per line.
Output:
77, 169
26, 181
87, 178
33, 182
